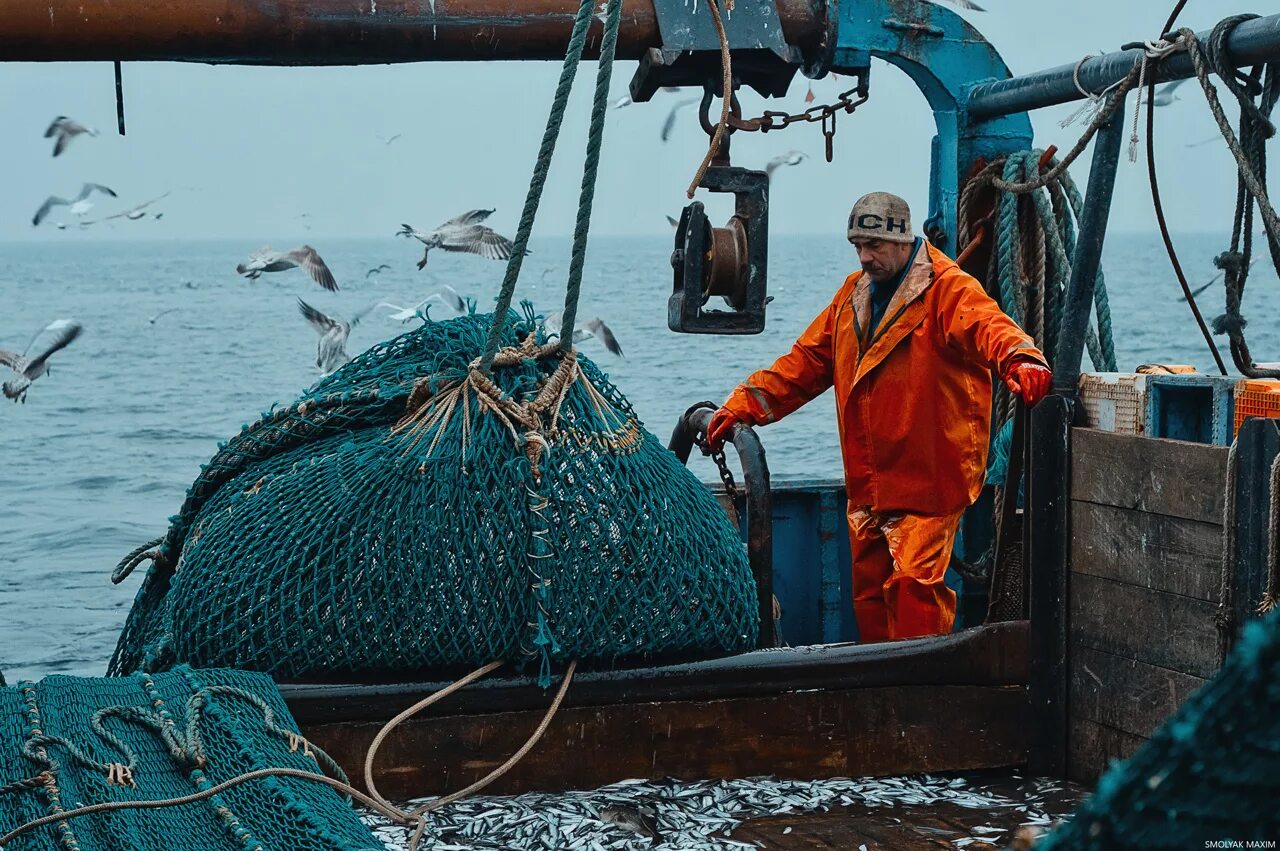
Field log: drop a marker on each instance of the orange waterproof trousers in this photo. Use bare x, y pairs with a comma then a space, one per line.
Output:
899, 563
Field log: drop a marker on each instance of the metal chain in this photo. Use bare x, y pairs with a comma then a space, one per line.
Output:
722, 464
846, 102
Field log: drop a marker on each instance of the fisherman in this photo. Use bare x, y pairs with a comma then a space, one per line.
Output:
909, 342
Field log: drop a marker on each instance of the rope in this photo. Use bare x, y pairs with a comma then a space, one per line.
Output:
1157, 49
726, 90
1154, 182
1102, 117
113, 806
1249, 151
1225, 618
128, 563
192, 752
1271, 598
541, 167
595, 138
372, 753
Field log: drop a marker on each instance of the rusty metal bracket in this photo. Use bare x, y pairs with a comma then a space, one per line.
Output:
730, 262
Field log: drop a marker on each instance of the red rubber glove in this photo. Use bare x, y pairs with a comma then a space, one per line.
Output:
1030, 380
720, 428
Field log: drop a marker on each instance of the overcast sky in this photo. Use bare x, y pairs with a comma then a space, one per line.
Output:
248, 151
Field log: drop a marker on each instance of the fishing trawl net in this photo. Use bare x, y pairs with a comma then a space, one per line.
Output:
1208, 778
70, 741
413, 512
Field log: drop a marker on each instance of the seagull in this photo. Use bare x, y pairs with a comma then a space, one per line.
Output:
27, 367
133, 214
641, 820
390, 139
1165, 94
626, 100
1213, 281
266, 260
670, 122
377, 270
791, 157
595, 328
66, 129
462, 233
153, 319
79, 205
447, 296
331, 349
967, 4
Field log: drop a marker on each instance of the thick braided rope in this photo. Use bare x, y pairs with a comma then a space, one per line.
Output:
1103, 116
1271, 597
542, 166
595, 139
1250, 153
1198, 59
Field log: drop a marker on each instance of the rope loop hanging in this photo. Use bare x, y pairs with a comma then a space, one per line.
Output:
542, 166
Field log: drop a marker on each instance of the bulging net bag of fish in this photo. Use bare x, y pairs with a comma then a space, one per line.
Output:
416, 512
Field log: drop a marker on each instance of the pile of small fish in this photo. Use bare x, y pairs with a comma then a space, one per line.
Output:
701, 816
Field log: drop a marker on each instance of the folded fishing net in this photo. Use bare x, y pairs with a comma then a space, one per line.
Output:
414, 511
67, 741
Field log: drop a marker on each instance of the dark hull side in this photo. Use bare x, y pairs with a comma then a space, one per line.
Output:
948, 703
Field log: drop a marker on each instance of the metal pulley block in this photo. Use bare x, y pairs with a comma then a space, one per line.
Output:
730, 262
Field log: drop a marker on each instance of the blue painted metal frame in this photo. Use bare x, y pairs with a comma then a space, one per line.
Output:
946, 58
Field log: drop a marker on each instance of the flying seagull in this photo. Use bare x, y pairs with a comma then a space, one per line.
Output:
462, 233
331, 349
669, 122
266, 260
66, 129
791, 157
967, 4
1213, 281
29, 366
447, 296
1165, 94
132, 214
153, 319
79, 205
594, 328
390, 139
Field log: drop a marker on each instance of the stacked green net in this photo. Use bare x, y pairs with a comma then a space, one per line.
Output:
413, 513
1209, 778
70, 741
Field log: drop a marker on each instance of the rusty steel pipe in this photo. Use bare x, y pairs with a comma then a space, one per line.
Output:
330, 32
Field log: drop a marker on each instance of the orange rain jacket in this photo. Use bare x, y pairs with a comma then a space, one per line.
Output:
913, 398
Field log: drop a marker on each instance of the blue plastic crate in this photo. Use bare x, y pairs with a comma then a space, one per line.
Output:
1196, 408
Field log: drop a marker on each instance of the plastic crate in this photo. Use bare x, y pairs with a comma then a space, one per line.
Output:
1256, 397
1114, 401
1195, 408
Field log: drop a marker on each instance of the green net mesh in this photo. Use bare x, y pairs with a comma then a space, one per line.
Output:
1209, 778
401, 517
70, 741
